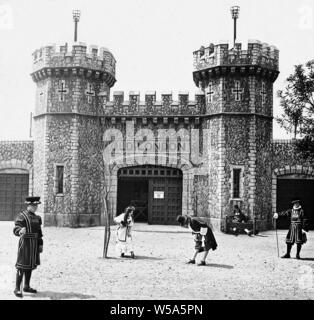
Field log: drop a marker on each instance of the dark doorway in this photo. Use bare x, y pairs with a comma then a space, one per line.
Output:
13, 190
133, 191
156, 193
289, 189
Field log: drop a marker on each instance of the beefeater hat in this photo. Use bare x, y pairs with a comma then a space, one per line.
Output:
295, 201
32, 200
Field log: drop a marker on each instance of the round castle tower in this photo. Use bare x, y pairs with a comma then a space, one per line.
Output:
72, 87
238, 85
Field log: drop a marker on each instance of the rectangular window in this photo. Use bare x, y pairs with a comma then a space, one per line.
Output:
59, 178
236, 183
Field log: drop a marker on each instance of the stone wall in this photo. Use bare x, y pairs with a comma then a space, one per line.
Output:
22, 151
90, 171
58, 207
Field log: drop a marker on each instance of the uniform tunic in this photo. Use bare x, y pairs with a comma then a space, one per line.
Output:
206, 234
28, 253
297, 223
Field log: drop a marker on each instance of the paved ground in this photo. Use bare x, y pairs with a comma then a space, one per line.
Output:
241, 268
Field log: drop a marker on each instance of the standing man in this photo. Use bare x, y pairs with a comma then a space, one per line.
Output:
28, 228
203, 235
298, 222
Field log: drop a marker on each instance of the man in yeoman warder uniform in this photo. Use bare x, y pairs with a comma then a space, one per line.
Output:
28, 228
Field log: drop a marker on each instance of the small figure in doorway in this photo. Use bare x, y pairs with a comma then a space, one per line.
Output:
203, 235
125, 223
298, 224
28, 228
239, 217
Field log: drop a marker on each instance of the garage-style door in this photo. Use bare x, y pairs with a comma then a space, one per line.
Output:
289, 189
13, 190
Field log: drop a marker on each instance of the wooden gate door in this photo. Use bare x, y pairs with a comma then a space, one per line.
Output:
13, 190
164, 200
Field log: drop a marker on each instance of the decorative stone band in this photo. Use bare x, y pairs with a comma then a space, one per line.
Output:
222, 71
76, 71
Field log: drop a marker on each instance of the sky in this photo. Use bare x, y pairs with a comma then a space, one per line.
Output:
152, 41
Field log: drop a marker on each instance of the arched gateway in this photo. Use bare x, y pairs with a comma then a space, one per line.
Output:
155, 191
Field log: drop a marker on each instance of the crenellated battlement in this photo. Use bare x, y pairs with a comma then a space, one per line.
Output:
74, 55
167, 105
257, 53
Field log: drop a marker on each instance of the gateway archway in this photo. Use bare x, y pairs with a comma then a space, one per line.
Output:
155, 191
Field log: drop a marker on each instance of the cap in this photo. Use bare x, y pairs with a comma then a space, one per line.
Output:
32, 200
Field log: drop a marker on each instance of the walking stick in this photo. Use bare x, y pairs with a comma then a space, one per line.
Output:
275, 223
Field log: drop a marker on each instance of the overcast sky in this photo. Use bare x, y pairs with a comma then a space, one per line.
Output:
152, 41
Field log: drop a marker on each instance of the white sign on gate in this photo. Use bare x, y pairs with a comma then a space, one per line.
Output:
159, 194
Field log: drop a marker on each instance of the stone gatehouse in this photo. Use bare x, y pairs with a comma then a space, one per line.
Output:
167, 155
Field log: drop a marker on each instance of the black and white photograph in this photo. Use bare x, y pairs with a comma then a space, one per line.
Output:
156, 151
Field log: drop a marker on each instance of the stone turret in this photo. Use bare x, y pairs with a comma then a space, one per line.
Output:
72, 85
238, 85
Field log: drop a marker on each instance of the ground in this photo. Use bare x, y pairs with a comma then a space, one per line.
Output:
72, 266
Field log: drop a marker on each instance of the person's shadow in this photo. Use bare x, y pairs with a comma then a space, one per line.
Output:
61, 295
216, 265
307, 259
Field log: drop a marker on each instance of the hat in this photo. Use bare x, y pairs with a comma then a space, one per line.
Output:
32, 200
295, 201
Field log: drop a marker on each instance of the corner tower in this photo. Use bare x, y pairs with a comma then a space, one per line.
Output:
72, 84
238, 85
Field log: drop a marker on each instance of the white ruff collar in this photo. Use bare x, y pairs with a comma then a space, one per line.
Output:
296, 208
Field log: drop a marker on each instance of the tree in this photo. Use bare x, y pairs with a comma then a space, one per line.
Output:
297, 101
105, 169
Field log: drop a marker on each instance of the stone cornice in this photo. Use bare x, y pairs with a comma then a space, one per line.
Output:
92, 74
222, 71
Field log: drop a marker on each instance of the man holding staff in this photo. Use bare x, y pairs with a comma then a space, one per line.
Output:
298, 222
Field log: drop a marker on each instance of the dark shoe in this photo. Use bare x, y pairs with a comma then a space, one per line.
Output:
297, 256
30, 290
202, 263
132, 255
122, 255
191, 261
250, 233
286, 256
18, 293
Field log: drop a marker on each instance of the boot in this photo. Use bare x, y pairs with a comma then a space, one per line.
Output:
299, 246
132, 255
18, 282
287, 255
27, 287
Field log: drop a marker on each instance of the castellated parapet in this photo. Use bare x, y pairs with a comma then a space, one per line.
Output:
76, 59
216, 60
167, 105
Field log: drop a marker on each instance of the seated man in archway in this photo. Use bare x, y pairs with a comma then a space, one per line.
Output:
203, 235
239, 217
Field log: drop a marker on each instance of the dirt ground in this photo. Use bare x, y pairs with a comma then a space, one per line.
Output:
72, 266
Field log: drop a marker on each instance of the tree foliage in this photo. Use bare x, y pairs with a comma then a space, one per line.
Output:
297, 102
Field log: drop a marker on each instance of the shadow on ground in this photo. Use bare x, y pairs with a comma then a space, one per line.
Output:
61, 295
129, 258
216, 265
